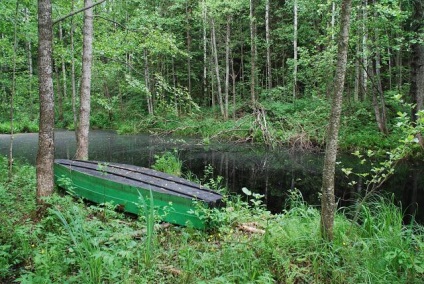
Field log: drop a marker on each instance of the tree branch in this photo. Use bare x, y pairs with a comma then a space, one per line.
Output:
77, 11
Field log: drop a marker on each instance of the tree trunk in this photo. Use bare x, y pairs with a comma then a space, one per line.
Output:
364, 79
328, 204
74, 90
188, 15
149, 98
30, 67
218, 79
333, 19
12, 96
85, 96
45, 154
227, 67
417, 62
252, 54
295, 51
268, 47
233, 77
64, 87
205, 50
59, 94
357, 73
379, 102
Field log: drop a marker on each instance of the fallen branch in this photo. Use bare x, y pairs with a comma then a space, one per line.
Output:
250, 228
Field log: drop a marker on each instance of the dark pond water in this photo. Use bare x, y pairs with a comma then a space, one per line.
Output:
272, 173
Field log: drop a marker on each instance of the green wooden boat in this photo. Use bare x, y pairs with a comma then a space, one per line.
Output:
175, 199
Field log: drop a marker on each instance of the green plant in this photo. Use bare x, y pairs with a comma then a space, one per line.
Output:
148, 211
169, 163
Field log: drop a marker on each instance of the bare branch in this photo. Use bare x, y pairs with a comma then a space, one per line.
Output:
77, 11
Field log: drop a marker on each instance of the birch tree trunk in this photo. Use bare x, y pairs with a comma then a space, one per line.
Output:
357, 73
45, 154
295, 8
364, 79
268, 47
227, 66
218, 79
12, 96
328, 204
205, 50
85, 96
188, 15
252, 54
74, 90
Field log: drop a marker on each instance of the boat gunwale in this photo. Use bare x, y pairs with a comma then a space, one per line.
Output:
68, 164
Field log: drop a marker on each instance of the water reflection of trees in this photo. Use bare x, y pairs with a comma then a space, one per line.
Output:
272, 173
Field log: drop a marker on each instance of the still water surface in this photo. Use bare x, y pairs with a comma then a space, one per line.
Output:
272, 173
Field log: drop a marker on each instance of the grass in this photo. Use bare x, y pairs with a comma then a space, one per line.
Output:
78, 243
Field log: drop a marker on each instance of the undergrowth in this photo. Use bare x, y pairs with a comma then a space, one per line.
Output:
300, 125
76, 242
21, 126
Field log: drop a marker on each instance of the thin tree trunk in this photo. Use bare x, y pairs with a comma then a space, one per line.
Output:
357, 73
381, 102
295, 8
188, 15
268, 47
227, 67
45, 154
364, 80
233, 76
205, 50
218, 79
149, 98
328, 204
59, 94
64, 87
399, 68
252, 54
390, 63
30, 67
12, 97
74, 90
85, 96
212, 92
333, 19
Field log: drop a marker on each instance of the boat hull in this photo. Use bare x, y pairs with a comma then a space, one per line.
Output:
175, 200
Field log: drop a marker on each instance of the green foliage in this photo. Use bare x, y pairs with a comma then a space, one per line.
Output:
299, 124
168, 163
24, 126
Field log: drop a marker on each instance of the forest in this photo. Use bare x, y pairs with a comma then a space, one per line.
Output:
320, 75
263, 70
